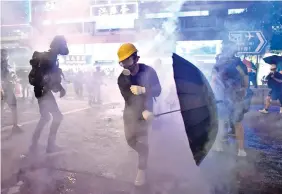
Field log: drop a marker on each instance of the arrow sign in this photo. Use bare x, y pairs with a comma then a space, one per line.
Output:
248, 42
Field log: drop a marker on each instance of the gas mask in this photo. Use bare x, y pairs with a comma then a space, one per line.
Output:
129, 64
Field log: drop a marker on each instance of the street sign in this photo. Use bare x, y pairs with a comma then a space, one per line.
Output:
248, 42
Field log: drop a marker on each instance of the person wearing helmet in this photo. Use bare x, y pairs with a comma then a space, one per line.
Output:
230, 82
139, 85
7, 86
46, 78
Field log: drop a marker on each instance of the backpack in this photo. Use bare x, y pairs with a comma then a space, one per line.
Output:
45, 73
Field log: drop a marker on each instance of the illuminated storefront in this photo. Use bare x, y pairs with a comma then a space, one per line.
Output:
200, 53
76, 62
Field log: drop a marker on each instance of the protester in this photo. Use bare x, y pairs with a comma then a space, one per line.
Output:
8, 78
274, 82
98, 76
46, 78
252, 72
230, 78
138, 84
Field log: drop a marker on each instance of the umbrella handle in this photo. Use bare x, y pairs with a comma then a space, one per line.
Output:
164, 113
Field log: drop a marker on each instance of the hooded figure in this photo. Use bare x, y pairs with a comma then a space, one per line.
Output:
46, 77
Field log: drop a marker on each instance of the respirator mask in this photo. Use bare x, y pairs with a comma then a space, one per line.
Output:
129, 64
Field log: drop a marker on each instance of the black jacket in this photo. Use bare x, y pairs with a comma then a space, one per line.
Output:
135, 105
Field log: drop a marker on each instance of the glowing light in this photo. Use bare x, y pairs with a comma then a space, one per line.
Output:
47, 22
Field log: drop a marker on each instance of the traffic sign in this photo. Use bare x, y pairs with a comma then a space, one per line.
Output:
248, 42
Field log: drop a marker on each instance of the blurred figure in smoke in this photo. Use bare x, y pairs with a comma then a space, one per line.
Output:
230, 82
274, 82
23, 76
252, 71
7, 89
78, 84
45, 76
138, 84
89, 86
97, 82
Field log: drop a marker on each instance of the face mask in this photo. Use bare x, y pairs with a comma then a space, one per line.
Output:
129, 64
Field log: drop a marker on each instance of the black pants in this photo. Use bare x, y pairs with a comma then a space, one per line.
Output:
48, 105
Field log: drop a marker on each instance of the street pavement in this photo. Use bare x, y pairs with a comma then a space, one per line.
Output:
96, 159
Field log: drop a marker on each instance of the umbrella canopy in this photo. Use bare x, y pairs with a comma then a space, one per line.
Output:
274, 59
197, 106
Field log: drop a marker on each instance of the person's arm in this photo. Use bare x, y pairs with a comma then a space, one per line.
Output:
244, 75
154, 87
124, 87
276, 79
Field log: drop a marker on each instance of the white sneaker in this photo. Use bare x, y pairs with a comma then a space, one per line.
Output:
242, 153
263, 111
280, 110
140, 178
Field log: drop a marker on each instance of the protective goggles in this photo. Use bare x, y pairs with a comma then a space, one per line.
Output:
127, 62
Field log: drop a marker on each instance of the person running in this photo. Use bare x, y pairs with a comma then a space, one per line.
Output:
46, 79
138, 84
274, 81
230, 76
8, 78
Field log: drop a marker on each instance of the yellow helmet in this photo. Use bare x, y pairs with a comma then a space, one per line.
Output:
125, 51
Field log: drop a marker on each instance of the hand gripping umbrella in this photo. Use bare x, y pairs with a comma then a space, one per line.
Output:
197, 106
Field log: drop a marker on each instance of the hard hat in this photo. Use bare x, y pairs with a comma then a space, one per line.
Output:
125, 51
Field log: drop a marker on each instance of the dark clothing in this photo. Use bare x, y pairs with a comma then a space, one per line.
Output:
273, 84
135, 128
231, 73
275, 95
146, 77
45, 74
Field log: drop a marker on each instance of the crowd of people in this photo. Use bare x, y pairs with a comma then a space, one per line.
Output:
139, 85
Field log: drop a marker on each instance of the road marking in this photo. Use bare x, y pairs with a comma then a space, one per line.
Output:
35, 120
3, 129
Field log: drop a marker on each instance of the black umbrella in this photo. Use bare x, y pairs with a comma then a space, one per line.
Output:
274, 59
197, 106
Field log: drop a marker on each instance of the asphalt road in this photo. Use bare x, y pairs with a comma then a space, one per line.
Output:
96, 159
